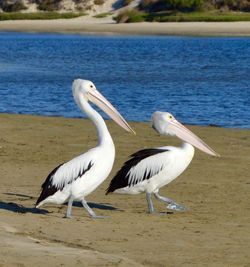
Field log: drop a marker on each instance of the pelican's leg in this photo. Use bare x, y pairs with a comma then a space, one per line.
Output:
90, 211
69, 209
164, 199
150, 203
172, 205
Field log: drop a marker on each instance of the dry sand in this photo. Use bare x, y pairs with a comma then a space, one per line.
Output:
90, 25
213, 232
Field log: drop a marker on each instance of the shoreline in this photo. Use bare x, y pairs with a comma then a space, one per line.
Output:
130, 121
89, 25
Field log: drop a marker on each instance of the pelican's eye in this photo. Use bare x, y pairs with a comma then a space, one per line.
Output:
91, 86
170, 117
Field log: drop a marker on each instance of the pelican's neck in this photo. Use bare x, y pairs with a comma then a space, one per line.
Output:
189, 149
104, 137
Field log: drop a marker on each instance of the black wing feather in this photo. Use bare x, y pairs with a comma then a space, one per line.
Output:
49, 189
121, 179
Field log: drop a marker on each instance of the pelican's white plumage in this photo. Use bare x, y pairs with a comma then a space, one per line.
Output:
150, 169
77, 178
157, 170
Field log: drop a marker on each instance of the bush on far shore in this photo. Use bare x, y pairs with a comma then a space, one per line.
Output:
194, 5
132, 15
139, 16
171, 5
236, 5
12, 6
49, 5
38, 15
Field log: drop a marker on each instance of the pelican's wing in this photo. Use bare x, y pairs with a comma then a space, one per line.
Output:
142, 165
65, 174
72, 170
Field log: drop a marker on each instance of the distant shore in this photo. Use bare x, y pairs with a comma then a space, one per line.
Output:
89, 25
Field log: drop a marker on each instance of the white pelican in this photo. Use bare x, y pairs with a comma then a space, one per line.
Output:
150, 169
77, 178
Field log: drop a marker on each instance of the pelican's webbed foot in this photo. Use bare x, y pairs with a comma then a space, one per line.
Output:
172, 205
176, 206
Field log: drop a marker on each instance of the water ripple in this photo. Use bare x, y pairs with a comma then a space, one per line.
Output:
200, 80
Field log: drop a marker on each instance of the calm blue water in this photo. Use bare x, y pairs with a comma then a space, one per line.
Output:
200, 80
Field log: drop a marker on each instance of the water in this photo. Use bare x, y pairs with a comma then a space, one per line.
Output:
200, 80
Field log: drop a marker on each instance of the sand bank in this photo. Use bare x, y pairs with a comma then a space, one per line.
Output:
213, 232
89, 25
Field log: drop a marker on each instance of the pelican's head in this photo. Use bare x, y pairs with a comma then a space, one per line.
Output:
166, 124
83, 87
84, 90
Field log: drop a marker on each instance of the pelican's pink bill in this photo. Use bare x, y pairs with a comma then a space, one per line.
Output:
186, 135
98, 99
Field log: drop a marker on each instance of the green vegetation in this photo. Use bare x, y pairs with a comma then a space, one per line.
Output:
148, 10
102, 15
131, 16
138, 16
187, 10
194, 5
199, 16
177, 5
38, 15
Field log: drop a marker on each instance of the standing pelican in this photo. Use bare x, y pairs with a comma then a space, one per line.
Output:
77, 178
150, 169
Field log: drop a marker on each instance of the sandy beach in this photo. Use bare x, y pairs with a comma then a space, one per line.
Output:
213, 232
90, 25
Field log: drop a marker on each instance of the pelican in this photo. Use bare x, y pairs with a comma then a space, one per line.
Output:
148, 170
77, 178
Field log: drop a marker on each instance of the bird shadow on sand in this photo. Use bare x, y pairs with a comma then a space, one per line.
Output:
165, 212
19, 195
100, 206
11, 206
14, 207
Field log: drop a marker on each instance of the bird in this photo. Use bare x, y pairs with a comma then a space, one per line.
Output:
148, 170
80, 176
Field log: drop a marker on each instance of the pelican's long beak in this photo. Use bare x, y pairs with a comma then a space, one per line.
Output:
98, 99
186, 135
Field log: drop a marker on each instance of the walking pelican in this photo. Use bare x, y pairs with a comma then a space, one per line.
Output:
77, 178
150, 169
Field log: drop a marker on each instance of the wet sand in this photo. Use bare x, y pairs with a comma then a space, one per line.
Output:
213, 232
89, 25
